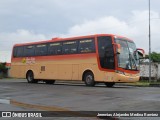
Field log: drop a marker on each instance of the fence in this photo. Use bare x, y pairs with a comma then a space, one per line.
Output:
155, 71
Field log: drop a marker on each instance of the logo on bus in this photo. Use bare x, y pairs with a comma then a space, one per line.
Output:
28, 60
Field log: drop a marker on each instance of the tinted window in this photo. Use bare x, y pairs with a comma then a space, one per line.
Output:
86, 46
29, 50
69, 47
15, 52
41, 50
106, 53
18, 51
55, 48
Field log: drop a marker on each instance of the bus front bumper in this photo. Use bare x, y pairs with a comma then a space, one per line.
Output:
126, 78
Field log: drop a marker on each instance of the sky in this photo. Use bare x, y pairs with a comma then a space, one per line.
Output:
24, 21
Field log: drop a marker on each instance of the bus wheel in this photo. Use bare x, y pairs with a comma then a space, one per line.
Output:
30, 77
49, 81
89, 79
109, 84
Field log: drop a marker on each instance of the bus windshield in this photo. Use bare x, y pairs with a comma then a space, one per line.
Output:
128, 58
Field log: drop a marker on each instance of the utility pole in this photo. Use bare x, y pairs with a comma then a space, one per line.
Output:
149, 44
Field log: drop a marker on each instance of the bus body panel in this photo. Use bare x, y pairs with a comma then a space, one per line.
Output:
55, 70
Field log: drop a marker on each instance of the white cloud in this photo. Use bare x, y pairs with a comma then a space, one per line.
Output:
20, 36
5, 56
101, 25
7, 40
136, 28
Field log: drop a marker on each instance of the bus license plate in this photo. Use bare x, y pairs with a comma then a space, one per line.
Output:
130, 78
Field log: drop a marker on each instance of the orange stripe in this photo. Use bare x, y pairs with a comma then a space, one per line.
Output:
58, 57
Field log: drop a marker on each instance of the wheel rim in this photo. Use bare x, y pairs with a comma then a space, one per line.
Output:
30, 77
89, 79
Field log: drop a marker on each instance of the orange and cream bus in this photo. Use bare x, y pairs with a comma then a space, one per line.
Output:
100, 58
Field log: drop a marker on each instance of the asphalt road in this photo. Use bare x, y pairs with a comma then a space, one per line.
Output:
18, 95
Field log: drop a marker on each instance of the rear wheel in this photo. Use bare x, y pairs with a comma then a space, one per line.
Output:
49, 81
89, 79
30, 77
109, 84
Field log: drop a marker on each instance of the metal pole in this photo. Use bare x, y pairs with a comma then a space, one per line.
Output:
149, 44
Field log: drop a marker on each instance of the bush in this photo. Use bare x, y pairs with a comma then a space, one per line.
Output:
155, 57
3, 70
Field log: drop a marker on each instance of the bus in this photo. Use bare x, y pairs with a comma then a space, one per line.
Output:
99, 58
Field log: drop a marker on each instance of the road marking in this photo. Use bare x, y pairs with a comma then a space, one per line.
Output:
51, 108
4, 101
40, 107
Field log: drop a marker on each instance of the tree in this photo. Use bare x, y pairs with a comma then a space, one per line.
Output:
155, 57
3, 68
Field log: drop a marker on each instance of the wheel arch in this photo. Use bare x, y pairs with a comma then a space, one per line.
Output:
86, 71
29, 71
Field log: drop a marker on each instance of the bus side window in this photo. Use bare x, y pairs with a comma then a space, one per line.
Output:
86, 46
106, 52
19, 51
41, 50
29, 50
55, 48
70, 47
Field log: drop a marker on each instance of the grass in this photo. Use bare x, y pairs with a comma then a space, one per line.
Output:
140, 84
143, 83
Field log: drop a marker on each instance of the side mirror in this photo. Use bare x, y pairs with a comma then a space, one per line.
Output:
141, 53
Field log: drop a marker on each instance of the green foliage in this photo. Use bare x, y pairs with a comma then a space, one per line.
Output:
155, 57
3, 68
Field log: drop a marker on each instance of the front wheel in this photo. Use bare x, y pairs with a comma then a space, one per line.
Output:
89, 79
30, 77
109, 84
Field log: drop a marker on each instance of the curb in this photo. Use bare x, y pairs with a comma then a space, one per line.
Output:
154, 85
149, 85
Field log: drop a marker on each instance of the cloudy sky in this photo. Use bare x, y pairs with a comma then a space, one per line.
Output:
35, 20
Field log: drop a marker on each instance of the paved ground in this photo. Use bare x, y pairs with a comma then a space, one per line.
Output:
18, 95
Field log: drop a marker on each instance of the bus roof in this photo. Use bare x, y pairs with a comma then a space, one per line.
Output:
56, 39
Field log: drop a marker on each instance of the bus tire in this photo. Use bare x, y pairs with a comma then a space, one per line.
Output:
109, 84
89, 79
49, 81
30, 77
